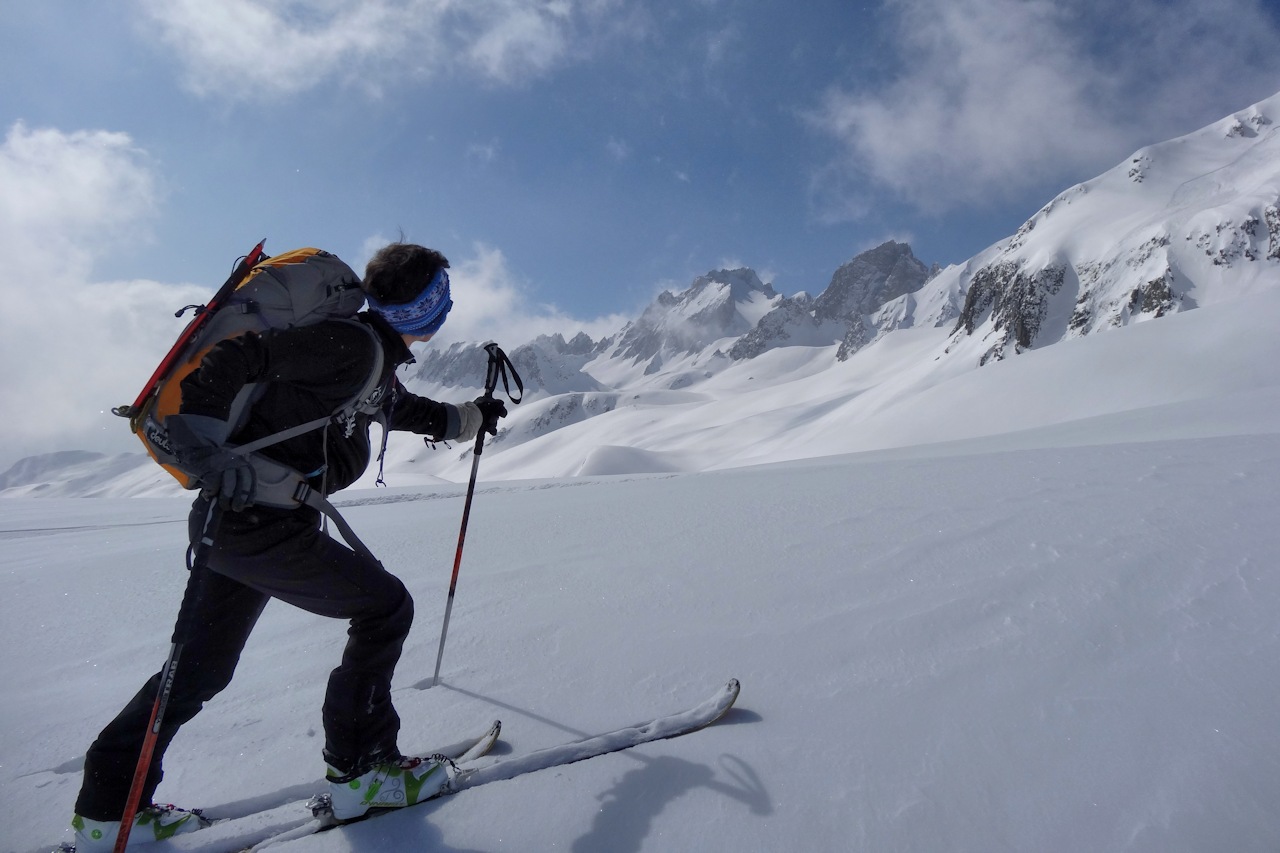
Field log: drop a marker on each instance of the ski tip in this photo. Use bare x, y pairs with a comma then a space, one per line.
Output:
724, 699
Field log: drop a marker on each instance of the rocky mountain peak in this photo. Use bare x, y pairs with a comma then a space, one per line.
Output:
871, 279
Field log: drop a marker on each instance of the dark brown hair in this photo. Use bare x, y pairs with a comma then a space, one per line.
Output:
398, 272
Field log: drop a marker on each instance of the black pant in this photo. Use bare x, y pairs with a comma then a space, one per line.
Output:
257, 555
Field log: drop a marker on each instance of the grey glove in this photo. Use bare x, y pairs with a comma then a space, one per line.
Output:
470, 419
197, 441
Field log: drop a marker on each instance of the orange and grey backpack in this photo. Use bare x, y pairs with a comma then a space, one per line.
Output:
296, 288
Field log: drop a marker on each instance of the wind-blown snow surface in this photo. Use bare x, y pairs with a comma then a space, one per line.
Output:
1056, 632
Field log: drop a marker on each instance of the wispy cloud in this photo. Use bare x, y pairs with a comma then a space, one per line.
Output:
617, 149
484, 152
248, 49
995, 97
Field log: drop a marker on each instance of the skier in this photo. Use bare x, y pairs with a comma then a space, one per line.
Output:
258, 553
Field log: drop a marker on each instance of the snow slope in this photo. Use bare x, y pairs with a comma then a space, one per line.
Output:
1041, 616
791, 403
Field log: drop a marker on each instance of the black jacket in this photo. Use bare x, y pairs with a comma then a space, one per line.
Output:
310, 372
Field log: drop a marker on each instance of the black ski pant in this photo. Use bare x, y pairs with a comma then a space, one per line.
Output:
257, 555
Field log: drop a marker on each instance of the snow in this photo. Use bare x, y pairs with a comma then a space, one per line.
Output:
1027, 607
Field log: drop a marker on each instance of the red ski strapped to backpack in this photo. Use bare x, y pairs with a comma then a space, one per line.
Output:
296, 288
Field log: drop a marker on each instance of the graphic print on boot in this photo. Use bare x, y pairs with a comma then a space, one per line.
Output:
152, 823
393, 784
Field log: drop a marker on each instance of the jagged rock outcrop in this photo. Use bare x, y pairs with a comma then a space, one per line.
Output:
1014, 298
1271, 215
553, 365
790, 324
843, 312
460, 365
871, 279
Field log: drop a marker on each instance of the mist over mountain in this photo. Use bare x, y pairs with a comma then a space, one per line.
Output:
1184, 224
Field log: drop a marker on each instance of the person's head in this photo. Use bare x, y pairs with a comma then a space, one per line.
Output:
407, 285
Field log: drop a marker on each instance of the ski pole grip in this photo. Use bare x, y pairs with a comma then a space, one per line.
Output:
491, 370
501, 366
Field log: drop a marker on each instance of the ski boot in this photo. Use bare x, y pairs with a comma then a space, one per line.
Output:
391, 784
152, 823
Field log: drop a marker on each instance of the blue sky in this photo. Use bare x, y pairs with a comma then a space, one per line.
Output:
571, 157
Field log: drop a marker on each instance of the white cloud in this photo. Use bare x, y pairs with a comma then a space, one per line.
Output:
72, 347
68, 194
492, 303
995, 97
508, 40
249, 49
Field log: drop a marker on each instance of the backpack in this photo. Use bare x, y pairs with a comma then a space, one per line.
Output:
296, 288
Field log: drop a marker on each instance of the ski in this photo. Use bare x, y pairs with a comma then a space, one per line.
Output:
467, 776
661, 728
297, 819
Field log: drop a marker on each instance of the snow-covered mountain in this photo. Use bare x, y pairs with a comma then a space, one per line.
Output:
1188, 223
721, 304
847, 311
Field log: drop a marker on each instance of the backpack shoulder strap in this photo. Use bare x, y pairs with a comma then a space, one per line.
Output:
347, 409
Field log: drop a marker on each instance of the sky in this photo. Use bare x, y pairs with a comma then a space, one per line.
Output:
572, 157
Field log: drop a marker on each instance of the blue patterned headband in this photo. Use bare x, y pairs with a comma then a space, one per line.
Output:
425, 314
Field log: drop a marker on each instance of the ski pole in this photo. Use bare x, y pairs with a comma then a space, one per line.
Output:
148, 747
196, 557
498, 365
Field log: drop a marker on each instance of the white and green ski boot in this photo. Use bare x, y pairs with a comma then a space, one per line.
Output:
152, 823
394, 784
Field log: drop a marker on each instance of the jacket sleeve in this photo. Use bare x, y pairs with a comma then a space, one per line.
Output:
412, 413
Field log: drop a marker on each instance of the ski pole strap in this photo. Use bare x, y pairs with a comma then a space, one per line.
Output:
501, 367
